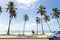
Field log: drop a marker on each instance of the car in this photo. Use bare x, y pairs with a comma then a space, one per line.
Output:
54, 35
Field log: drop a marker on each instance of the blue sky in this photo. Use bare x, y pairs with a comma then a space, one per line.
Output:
27, 7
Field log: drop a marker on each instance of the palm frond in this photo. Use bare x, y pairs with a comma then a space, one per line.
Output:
41, 10
0, 9
55, 13
26, 18
46, 18
11, 9
37, 20
42, 7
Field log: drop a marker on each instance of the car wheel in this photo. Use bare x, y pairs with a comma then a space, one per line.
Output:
54, 38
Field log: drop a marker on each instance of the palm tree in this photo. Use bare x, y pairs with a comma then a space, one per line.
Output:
55, 14
37, 22
12, 13
41, 11
0, 9
46, 18
26, 18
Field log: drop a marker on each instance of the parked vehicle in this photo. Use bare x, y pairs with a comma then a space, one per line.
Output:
54, 35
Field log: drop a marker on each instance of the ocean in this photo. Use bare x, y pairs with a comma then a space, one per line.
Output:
21, 32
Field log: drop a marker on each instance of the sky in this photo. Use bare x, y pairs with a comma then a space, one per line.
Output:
29, 7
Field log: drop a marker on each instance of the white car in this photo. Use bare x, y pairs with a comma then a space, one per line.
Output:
54, 35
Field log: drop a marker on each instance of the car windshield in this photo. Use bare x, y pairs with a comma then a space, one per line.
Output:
58, 31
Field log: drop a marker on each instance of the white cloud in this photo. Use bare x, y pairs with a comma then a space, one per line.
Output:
52, 20
30, 26
26, 3
41, 17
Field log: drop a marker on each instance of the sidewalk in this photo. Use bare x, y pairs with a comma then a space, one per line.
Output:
23, 37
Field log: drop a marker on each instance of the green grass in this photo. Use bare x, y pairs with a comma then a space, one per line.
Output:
11, 35
21, 35
40, 35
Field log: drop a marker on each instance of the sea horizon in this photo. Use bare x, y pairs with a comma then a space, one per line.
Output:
21, 32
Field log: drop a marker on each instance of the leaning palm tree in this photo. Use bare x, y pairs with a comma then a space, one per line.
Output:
37, 22
46, 18
26, 18
55, 14
0, 9
41, 11
12, 13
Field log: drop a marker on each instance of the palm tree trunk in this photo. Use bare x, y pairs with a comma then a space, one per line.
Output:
49, 27
37, 28
24, 28
9, 26
42, 27
58, 24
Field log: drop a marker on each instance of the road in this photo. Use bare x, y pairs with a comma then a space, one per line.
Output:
24, 39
